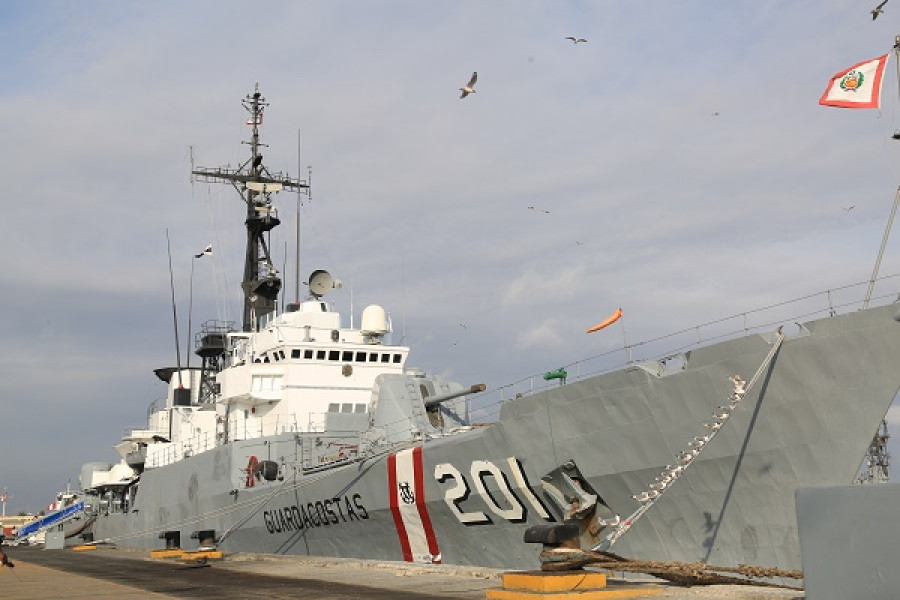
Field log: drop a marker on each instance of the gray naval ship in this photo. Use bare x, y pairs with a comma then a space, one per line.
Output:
299, 435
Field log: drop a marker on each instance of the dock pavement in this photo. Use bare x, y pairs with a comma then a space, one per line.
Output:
128, 574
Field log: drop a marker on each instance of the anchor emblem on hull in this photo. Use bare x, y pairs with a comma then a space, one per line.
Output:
406, 494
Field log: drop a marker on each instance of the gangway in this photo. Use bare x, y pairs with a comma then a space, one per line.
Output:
49, 520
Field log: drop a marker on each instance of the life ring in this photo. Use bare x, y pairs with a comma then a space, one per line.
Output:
251, 470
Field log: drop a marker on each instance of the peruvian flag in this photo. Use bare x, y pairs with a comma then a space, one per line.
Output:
857, 87
3, 498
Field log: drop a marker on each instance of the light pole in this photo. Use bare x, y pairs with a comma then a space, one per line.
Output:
206, 252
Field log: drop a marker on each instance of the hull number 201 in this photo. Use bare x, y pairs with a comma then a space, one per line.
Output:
508, 500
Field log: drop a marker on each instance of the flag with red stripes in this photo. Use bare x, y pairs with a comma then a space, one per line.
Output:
406, 487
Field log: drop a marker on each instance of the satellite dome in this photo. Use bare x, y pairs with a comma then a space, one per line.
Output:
374, 321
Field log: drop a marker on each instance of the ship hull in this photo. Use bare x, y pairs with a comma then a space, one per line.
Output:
467, 498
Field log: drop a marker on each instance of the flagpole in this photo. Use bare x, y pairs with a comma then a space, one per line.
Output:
206, 252
187, 343
897, 60
890, 222
174, 311
884, 239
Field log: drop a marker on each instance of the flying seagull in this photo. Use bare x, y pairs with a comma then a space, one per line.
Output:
469, 88
849, 208
577, 40
878, 9
206, 252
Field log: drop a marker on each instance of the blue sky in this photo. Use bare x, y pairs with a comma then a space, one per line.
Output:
678, 163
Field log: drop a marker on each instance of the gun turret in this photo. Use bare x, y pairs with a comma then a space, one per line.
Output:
434, 401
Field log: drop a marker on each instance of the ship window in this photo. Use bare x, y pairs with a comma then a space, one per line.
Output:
334, 355
346, 407
307, 354
320, 355
373, 357
266, 383
360, 357
396, 359
275, 356
334, 407
295, 353
266, 359
360, 408
324, 308
385, 358
281, 352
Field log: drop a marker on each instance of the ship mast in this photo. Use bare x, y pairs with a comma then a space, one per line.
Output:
255, 183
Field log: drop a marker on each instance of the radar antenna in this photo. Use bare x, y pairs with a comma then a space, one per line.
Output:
255, 183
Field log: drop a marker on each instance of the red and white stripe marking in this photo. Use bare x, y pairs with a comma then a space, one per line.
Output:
406, 486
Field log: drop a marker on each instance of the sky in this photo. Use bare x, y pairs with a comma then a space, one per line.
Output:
676, 165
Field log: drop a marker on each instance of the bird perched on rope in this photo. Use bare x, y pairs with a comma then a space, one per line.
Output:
469, 88
878, 9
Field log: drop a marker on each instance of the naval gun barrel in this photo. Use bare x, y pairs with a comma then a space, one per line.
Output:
434, 401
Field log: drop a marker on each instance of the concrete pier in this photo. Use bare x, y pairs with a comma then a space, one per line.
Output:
132, 574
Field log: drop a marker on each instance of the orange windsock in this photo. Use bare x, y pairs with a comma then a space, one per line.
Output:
607, 322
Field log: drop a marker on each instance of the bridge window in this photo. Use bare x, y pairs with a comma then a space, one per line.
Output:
266, 383
320, 355
346, 407
334, 355
295, 353
360, 357
360, 408
348, 356
308, 354
334, 407
397, 359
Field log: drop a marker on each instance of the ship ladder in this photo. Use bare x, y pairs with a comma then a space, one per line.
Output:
668, 476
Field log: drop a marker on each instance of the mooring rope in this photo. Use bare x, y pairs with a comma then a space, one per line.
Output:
683, 573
